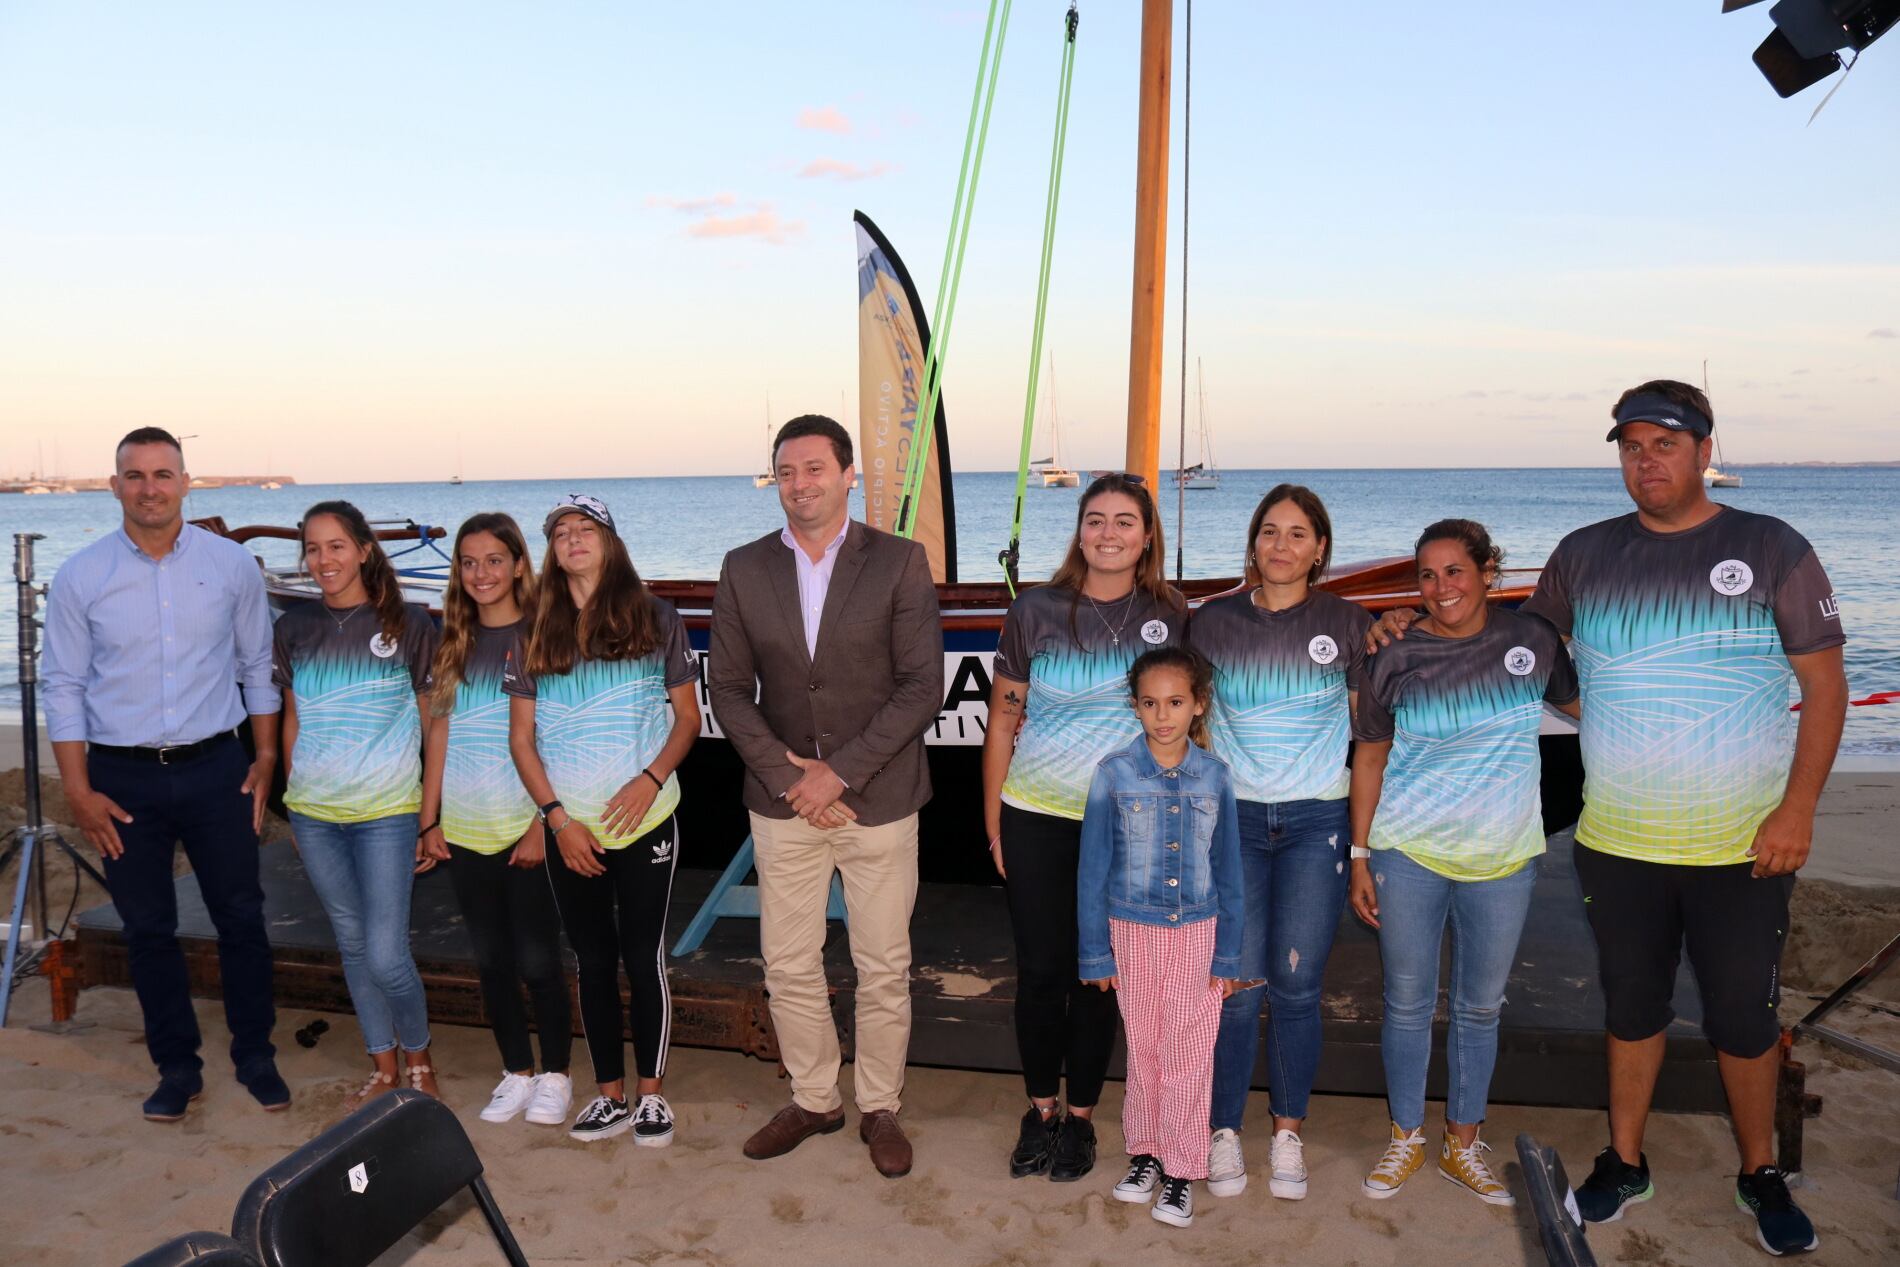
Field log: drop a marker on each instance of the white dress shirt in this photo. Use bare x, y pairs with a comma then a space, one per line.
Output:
814, 580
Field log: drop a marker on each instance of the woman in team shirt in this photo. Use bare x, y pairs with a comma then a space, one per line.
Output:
590, 734
473, 800
354, 669
1287, 660
1058, 706
1445, 794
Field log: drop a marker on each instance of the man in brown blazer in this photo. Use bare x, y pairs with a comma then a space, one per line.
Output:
826, 669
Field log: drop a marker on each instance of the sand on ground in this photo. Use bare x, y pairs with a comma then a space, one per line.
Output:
84, 1180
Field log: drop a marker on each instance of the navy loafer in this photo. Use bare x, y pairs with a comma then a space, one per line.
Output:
266, 1086
175, 1092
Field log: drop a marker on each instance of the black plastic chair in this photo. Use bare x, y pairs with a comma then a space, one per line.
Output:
361, 1186
196, 1249
1559, 1226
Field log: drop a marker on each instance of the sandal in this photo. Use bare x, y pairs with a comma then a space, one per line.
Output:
378, 1083
415, 1074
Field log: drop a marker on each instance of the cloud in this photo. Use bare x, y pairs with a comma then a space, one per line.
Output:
762, 222
693, 206
1885, 332
838, 169
824, 119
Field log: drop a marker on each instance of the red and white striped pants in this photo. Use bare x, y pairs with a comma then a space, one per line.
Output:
1172, 1016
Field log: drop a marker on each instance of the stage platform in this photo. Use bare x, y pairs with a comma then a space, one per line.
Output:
1550, 1046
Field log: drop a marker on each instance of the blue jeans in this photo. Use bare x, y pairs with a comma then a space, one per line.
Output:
1293, 863
363, 874
1487, 917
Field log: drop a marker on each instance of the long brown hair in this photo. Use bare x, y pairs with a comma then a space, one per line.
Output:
379, 575
1309, 505
460, 618
1150, 573
620, 621
1200, 675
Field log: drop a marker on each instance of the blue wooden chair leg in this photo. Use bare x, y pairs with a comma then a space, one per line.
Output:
731, 897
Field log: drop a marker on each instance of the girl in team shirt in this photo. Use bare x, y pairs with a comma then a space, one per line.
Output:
1445, 794
473, 800
592, 739
1058, 706
1159, 907
354, 670
1287, 659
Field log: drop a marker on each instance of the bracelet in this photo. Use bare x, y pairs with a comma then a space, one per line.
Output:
657, 781
1360, 851
431, 827
995, 841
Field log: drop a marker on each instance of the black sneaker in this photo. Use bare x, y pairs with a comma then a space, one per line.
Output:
1075, 1150
1035, 1144
653, 1122
1175, 1205
1612, 1186
603, 1118
1779, 1224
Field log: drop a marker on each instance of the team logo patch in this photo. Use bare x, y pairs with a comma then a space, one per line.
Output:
1731, 577
1519, 661
1155, 632
1830, 608
1323, 649
381, 647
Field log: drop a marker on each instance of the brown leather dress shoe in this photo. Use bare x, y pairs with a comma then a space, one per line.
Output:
791, 1127
890, 1151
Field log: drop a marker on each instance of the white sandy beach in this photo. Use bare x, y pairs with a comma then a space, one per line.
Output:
86, 1181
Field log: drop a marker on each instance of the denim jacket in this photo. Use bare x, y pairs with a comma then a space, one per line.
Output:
1159, 847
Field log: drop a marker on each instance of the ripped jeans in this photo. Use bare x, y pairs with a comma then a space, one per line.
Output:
1293, 863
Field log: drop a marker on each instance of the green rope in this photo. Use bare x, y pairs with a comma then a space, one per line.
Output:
1012, 556
923, 429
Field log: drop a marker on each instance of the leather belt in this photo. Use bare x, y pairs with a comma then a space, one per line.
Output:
172, 755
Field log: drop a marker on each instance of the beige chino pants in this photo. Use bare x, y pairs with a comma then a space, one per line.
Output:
879, 868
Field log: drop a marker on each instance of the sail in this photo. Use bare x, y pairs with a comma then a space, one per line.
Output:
893, 336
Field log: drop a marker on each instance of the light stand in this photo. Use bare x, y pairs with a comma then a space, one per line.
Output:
31, 837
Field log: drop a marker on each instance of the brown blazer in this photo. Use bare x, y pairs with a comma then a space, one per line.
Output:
863, 702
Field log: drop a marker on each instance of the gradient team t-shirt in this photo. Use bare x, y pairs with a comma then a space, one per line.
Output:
1682, 643
359, 733
1461, 785
1281, 717
1078, 709
484, 806
604, 721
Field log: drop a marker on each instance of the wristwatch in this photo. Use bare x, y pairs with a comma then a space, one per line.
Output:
549, 808
1358, 852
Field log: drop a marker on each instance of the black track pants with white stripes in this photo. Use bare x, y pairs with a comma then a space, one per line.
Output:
620, 918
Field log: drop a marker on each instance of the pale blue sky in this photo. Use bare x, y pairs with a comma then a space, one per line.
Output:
594, 238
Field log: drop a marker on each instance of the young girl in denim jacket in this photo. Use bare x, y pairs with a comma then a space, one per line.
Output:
1159, 902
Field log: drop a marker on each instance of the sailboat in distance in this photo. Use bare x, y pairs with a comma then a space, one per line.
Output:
1713, 476
768, 478
1050, 469
1202, 474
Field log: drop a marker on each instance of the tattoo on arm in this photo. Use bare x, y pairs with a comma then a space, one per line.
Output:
1012, 702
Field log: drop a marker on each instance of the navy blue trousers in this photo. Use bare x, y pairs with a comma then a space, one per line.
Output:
197, 803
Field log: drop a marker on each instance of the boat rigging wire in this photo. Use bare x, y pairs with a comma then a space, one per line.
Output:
1010, 557
923, 429
1187, 153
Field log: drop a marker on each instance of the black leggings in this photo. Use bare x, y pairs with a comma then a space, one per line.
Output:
620, 918
1062, 1026
517, 936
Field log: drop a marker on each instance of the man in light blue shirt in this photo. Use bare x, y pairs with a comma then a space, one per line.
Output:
150, 634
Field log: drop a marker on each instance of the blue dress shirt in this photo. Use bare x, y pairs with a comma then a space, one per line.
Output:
144, 652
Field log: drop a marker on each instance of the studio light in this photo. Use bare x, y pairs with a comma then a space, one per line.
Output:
1809, 36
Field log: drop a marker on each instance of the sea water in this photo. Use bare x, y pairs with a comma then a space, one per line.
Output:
681, 527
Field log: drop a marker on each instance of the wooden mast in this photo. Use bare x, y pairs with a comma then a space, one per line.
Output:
1151, 242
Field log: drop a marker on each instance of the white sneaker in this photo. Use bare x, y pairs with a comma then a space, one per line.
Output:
1144, 1176
553, 1094
1175, 1205
1226, 1166
511, 1095
1287, 1158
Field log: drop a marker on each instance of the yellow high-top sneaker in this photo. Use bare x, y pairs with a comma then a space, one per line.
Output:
1403, 1156
1466, 1167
